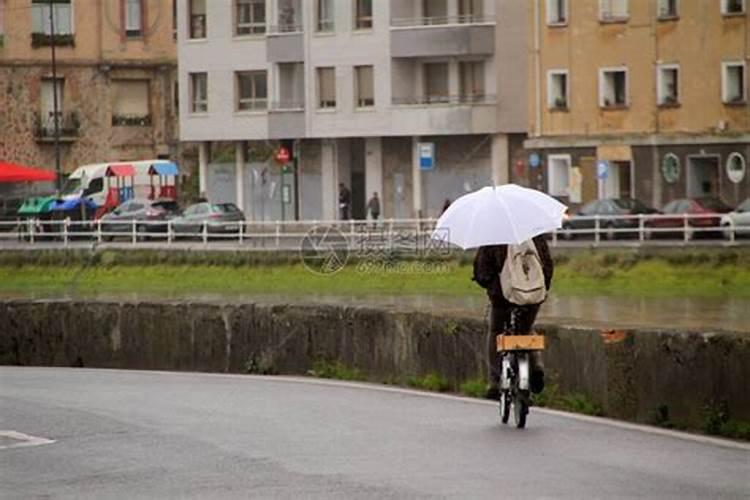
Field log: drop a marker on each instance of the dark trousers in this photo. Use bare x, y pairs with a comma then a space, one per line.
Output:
516, 320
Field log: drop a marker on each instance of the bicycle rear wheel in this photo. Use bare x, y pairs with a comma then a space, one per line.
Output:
520, 408
504, 406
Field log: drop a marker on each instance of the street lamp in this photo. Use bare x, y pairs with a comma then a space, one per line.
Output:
54, 97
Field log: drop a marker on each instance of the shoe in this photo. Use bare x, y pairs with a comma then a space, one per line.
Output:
493, 393
537, 381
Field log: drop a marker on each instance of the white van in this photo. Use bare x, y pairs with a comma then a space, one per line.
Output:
91, 181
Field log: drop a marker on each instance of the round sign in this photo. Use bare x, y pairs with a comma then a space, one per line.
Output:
670, 168
283, 155
736, 168
534, 160
602, 169
324, 250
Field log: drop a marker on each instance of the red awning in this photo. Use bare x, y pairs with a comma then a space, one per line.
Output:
125, 170
10, 172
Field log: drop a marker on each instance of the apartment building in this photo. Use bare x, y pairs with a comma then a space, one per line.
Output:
115, 85
647, 99
364, 89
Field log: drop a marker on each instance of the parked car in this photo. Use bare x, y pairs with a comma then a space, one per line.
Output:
215, 217
739, 219
609, 211
710, 209
149, 216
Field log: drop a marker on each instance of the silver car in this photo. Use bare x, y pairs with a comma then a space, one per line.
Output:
739, 219
215, 217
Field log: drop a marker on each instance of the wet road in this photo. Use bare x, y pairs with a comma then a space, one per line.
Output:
161, 435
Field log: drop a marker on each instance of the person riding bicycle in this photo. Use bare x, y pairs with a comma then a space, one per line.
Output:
506, 316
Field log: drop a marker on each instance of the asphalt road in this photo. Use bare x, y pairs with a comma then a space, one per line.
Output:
164, 435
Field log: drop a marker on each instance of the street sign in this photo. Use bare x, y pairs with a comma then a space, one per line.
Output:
534, 160
602, 169
286, 194
283, 155
426, 155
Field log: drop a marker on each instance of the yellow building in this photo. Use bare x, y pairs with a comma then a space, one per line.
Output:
639, 98
116, 77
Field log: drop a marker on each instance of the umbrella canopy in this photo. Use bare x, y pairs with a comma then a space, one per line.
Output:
37, 205
163, 169
499, 215
10, 172
72, 203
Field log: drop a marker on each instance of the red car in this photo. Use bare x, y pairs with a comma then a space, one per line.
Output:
705, 213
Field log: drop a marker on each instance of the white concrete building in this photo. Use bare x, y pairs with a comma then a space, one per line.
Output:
358, 84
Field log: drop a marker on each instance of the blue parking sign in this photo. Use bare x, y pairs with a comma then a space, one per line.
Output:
602, 169
426, 155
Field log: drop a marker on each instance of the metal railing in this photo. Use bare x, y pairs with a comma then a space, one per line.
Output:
436, 100
388, 233
408, 22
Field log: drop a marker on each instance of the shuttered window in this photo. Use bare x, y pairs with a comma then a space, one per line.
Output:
365, 86
40, 17
130, 103
133, 17
326, 88
472, 79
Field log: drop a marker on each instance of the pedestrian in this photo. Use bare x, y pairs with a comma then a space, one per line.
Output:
446, 205
373, 206
345, 201
505, 316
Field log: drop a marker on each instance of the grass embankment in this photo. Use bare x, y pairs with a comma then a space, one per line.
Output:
677, 274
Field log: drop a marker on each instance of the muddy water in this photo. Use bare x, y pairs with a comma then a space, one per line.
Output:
596, 311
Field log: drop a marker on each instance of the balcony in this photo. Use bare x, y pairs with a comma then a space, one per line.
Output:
285, 44
446, 100
442, 36
131, 121
286, 119
67, 123
39, 40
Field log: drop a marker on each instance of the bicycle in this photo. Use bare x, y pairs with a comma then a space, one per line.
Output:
515, 371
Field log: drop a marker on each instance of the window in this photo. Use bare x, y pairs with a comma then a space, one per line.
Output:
363, 14
436, 82
133, 17
733, 82
130, 103
558, 174
326, 88
252, 90
2, 21
365, 86
732, 7
47, 101
174, 19
471, 80
736, 168
557, 89
557, 12
613, 88
199, 92
613, 10
470, 11
197, 18
435, 11
668, 81
40, 17
250, 17
668, 9
324, 16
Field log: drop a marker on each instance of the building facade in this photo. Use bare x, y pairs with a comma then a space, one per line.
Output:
115, 86
644, 99
358, 85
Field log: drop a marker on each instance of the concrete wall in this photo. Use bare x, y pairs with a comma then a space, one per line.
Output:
634, 375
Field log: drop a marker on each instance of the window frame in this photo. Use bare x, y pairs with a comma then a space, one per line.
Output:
360, 22
45, 5
320, 104
191, 77
238, 100
565, 16
662, 16
611, 18
357, 97
463, 95
660, 97
725, 65
128, 32
191, 16
330, 22
602, 82
257, 29
550, 76
568, 160
725, 10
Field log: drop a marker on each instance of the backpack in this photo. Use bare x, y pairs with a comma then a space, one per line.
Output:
522, 276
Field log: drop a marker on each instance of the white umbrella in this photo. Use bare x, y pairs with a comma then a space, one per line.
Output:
499, 215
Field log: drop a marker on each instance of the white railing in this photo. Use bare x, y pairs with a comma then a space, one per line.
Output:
388, 233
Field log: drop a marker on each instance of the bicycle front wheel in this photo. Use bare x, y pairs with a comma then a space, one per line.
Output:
521, 408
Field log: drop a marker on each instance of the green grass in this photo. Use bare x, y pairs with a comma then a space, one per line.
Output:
688, 274
433, 382
335, 370
552, 397
475, 388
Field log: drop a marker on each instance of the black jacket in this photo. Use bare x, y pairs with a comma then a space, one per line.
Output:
488, 264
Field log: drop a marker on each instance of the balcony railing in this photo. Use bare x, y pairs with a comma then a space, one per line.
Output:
405, 22
287, 106
456, 100
45, 40
285, 29
131, 121
68, 127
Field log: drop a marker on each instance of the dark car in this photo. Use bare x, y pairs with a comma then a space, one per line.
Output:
148, 216
610, 211
709, 209
215, 217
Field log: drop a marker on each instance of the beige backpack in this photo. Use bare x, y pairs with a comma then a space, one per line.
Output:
522, 276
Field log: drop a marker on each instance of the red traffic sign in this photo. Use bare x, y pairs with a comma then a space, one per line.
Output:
283, 155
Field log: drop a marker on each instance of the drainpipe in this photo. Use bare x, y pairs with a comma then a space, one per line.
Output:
537, 68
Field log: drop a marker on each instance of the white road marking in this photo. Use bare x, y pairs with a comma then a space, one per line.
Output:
25, 440
685, 436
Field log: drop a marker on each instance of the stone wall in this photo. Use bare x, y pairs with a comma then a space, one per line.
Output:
635, 375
